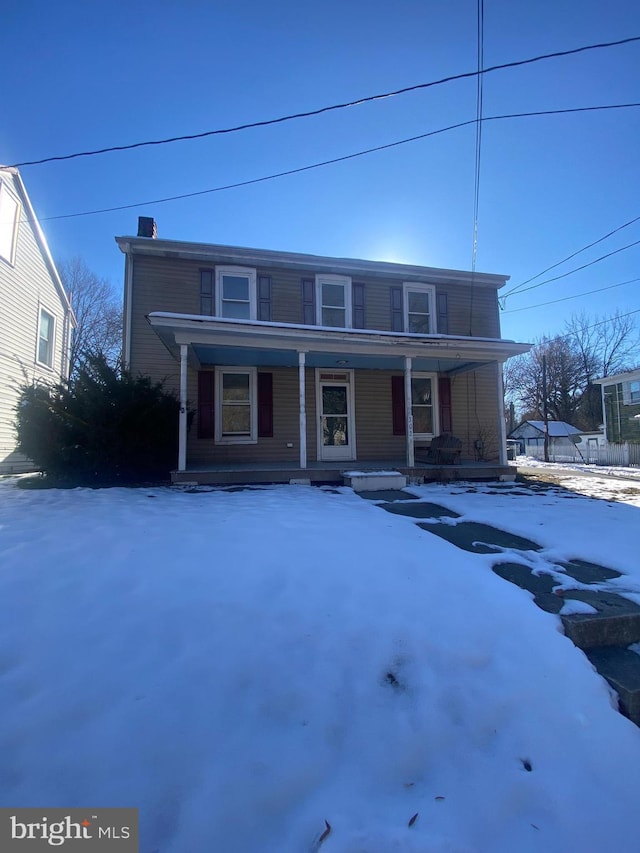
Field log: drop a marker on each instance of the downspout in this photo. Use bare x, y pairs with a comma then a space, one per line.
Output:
502, 430
408, 409
126, 325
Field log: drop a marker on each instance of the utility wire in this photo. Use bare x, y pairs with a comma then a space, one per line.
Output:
334, 160
577, 269
476, 188
575, 296
518, 287
332, 107
599, 323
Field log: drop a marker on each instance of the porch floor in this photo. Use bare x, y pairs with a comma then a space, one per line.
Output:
241, 473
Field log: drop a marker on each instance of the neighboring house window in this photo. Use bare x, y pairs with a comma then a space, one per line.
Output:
424, 405
631, 392
333, 295
236, 293
236, 409
46, 331
419, 308
9, 208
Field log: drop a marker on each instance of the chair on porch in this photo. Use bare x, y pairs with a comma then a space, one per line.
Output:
445, 449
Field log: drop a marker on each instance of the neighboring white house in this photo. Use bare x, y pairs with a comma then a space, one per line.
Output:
36, 319
530, 435
621, 406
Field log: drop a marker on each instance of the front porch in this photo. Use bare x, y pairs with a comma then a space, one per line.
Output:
247, 473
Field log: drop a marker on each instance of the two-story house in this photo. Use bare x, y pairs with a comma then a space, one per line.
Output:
621, 406
36, 319
298, 365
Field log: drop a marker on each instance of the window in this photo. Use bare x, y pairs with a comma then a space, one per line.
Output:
631, 392
9, 208
333, 295
236, 410
423, 405
46, 331
419, 308
236, 293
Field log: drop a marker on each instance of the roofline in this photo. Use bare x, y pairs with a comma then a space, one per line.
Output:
614, 378
44, 246
268, 257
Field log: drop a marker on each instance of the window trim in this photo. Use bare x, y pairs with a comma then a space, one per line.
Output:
5, 188
219, 438
420, 287
250, 273
628, 394
52, 342
435, 404
345, 281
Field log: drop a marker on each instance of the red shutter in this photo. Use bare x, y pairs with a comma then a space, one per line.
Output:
397, 405
397, 320
206, 385
264, 297
444, 403
357, 299
265, 405
308, 302
443, 313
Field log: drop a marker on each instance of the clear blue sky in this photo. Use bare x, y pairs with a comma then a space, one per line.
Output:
83, 75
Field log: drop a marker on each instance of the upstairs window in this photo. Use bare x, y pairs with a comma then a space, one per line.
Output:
9, 208
236, 293
631, 392
333, 295
419, 308
46, 331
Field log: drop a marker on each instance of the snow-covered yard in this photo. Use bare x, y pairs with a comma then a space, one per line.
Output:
244, 665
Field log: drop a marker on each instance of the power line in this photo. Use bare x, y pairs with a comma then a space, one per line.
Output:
575, 296
476, 188
577, 269
334, 160
518, 287
332, 107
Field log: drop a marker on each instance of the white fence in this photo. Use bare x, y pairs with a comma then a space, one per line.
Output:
622, 455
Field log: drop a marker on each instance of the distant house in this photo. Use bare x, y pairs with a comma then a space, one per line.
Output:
621, 406
530, 435
36, 319
299, 366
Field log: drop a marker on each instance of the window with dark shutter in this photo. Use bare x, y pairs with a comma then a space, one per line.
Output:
308, 301
206, 385
397, 322
358, 305
264, 297
265, 405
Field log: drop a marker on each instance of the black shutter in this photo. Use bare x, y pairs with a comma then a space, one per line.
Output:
206, 419
264, 297
265, 405
207, 292
443, 313
357, 305
444, 403
397, 405
308, 301
397, 319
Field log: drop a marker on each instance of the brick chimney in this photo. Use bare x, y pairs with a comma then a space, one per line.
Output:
147, 227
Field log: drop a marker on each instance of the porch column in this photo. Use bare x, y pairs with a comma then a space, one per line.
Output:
303, 409
182, 422
502, 427
408, 411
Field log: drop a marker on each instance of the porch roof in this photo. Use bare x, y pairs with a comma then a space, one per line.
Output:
249, 342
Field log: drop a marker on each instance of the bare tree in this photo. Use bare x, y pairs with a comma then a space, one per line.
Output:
97, 310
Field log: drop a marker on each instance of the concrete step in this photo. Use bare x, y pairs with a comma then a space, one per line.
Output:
615, 623
374, 481
621, 668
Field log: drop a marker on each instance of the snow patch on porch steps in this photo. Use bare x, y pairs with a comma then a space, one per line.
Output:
374, 481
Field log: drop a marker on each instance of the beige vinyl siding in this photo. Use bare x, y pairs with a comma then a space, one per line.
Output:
24, 288
475, 411
374, 423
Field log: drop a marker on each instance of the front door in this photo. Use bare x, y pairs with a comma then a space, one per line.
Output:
335, 416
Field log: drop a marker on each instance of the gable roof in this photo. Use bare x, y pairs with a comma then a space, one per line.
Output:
615, 378
557, 429
41, 239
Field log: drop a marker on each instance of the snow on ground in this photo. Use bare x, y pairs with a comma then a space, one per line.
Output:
628, 473
242, 666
